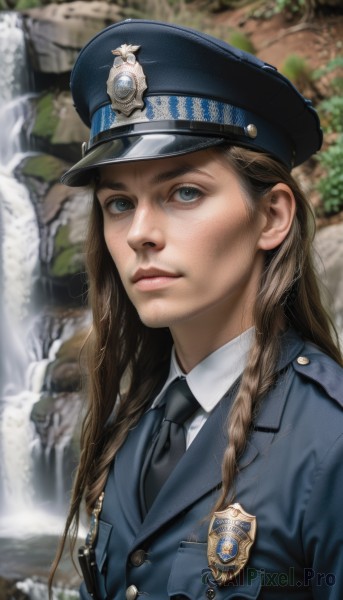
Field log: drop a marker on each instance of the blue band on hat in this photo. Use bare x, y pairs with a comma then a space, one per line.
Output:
174, 108
197, 111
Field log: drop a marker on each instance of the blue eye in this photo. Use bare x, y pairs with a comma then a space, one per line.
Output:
187, 194
119, 205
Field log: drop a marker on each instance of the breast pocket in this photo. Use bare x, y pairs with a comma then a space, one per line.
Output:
191, 579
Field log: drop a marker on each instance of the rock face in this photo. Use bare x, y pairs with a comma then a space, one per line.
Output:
57, 125
69, 128
65, 256
62, 216
56, 416
329, 246
9, 590
57, 32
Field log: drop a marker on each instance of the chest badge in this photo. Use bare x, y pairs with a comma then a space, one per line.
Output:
230, 537
126, 81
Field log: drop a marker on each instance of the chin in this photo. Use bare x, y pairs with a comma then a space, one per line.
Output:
154, 321
156, 318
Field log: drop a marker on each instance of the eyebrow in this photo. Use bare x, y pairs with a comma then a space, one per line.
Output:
111, 185
168, 175
159, 178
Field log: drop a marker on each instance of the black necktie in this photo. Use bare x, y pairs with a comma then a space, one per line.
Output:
170, 443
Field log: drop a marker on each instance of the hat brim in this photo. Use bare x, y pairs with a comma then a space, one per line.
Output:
133, 148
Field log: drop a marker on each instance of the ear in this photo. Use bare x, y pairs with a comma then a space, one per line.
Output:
278, 208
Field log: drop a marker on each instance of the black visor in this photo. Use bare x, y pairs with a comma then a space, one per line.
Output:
132, 148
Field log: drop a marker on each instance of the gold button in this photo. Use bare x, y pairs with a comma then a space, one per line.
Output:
131, 592
137, 558
303, 360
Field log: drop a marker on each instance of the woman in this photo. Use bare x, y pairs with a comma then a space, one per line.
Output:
204, 297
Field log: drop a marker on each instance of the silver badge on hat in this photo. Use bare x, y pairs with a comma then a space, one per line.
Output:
126, 82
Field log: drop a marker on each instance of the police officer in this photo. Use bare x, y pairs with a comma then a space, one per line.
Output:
211, 461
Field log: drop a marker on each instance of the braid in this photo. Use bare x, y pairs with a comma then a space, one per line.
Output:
288, 296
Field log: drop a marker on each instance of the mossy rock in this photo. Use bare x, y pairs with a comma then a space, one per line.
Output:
64, 376
68, 262
45, 167
25, 4
46, 120
62, 238
70, 349
68, 256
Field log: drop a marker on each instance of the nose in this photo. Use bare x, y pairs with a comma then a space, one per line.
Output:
146, 230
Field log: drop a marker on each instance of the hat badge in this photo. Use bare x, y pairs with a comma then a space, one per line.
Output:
126, 81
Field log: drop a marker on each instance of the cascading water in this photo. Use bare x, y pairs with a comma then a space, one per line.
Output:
27, 531
19, 253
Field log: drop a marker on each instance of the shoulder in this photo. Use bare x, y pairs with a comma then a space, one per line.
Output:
314, 367
308, 393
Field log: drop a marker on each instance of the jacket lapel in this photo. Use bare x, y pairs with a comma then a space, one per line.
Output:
128, 465
194, 477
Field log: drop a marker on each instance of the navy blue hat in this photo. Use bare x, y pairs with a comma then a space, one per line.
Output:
151, 90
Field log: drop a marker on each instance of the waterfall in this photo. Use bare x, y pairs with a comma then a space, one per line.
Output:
38, 591
19, 268
29, 525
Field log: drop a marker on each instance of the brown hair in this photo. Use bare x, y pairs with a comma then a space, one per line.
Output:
289, 295
124, 353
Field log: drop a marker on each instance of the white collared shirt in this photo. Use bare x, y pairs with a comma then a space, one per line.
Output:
210, 379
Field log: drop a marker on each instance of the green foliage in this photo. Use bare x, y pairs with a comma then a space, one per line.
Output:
294, 6
218, 5
296, 68
20, 4
241, 41
46, 119
25, 4
331, 186
331, 109
332, 65
335, 67
331, 113
62, 595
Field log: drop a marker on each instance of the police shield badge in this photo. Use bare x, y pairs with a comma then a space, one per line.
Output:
230, 537
126, 82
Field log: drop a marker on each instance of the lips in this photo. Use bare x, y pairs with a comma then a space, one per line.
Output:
152, 273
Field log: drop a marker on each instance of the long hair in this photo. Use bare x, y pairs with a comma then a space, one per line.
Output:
289, 295
127, 360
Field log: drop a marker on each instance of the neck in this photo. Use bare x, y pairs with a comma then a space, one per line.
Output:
195, 340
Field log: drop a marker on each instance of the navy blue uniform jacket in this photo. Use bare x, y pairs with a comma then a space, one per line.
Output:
291, 479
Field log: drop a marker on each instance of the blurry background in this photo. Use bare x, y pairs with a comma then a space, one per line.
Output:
43, 303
